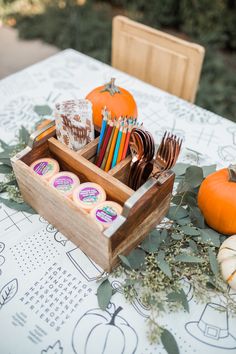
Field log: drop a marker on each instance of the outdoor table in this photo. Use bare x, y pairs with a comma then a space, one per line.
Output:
51, 304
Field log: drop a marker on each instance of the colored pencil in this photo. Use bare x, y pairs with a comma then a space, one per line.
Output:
114, 160
103, 129
104, 143
108, 148
122, 144
124, 153
112, 148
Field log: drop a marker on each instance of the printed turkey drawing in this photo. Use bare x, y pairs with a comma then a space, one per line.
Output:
103, 332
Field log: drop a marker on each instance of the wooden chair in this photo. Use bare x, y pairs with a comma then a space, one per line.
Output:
163, 60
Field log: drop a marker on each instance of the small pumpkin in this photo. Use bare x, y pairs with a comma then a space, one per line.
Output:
97, 331
227, 260
217, 200
116, 99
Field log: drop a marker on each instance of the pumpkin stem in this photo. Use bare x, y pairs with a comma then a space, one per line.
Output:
111, 87
232, 173
112, 322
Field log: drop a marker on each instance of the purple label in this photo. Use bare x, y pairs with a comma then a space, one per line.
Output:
63, 183
43, 167
89, 195
106, 214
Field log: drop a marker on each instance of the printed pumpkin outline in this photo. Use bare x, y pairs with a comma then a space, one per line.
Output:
8, 291
101, 324
56, 348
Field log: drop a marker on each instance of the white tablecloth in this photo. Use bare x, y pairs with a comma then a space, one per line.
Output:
48, 300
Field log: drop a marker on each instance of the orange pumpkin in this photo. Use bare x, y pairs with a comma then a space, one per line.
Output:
217, 200
116, 99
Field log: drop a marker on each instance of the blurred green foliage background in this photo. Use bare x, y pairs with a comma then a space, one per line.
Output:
86, 26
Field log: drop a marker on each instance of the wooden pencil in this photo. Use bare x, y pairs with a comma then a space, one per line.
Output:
112, 148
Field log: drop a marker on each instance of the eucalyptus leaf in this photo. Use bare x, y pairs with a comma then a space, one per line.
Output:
164, 234
135, 259
104, 294
196, 217
213, 262
163, 265
5, 161
4, 154
207, 170
169, 342
43, 110
210, 237
125, 261
183, 187
193, 246
185, 258
5, 169
151, 242
184, 221
194, 176
180, 168
190, 231
4, 145
17, 206
179, 296
24, 135
177, 212
176, 236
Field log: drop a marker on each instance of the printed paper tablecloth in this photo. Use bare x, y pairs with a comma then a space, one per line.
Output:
48, 286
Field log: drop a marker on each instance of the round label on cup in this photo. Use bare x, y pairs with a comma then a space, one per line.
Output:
63, 183
43, 167
106, 214
89, 195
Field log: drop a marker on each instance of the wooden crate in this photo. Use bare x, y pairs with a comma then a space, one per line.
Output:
142, 210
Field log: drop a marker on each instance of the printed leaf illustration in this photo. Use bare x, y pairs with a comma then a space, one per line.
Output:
8, 292
55, 349
104, 294
169, 342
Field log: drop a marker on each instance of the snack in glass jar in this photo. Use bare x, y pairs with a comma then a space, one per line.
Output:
74, 126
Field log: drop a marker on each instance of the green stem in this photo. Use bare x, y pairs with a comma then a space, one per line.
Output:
232, 173
111, 87
112, 322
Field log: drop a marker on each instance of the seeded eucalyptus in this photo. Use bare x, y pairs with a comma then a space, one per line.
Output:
8, 184
182, 251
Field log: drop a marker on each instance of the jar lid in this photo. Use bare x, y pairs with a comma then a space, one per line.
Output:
65, 182
88, 195
106, 213
45, 167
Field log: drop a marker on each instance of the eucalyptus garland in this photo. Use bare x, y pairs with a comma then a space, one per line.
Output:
183, 247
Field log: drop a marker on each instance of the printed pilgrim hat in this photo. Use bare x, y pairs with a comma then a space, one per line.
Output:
212, 327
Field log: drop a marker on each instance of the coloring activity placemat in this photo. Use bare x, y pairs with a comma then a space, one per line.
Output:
48, 301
